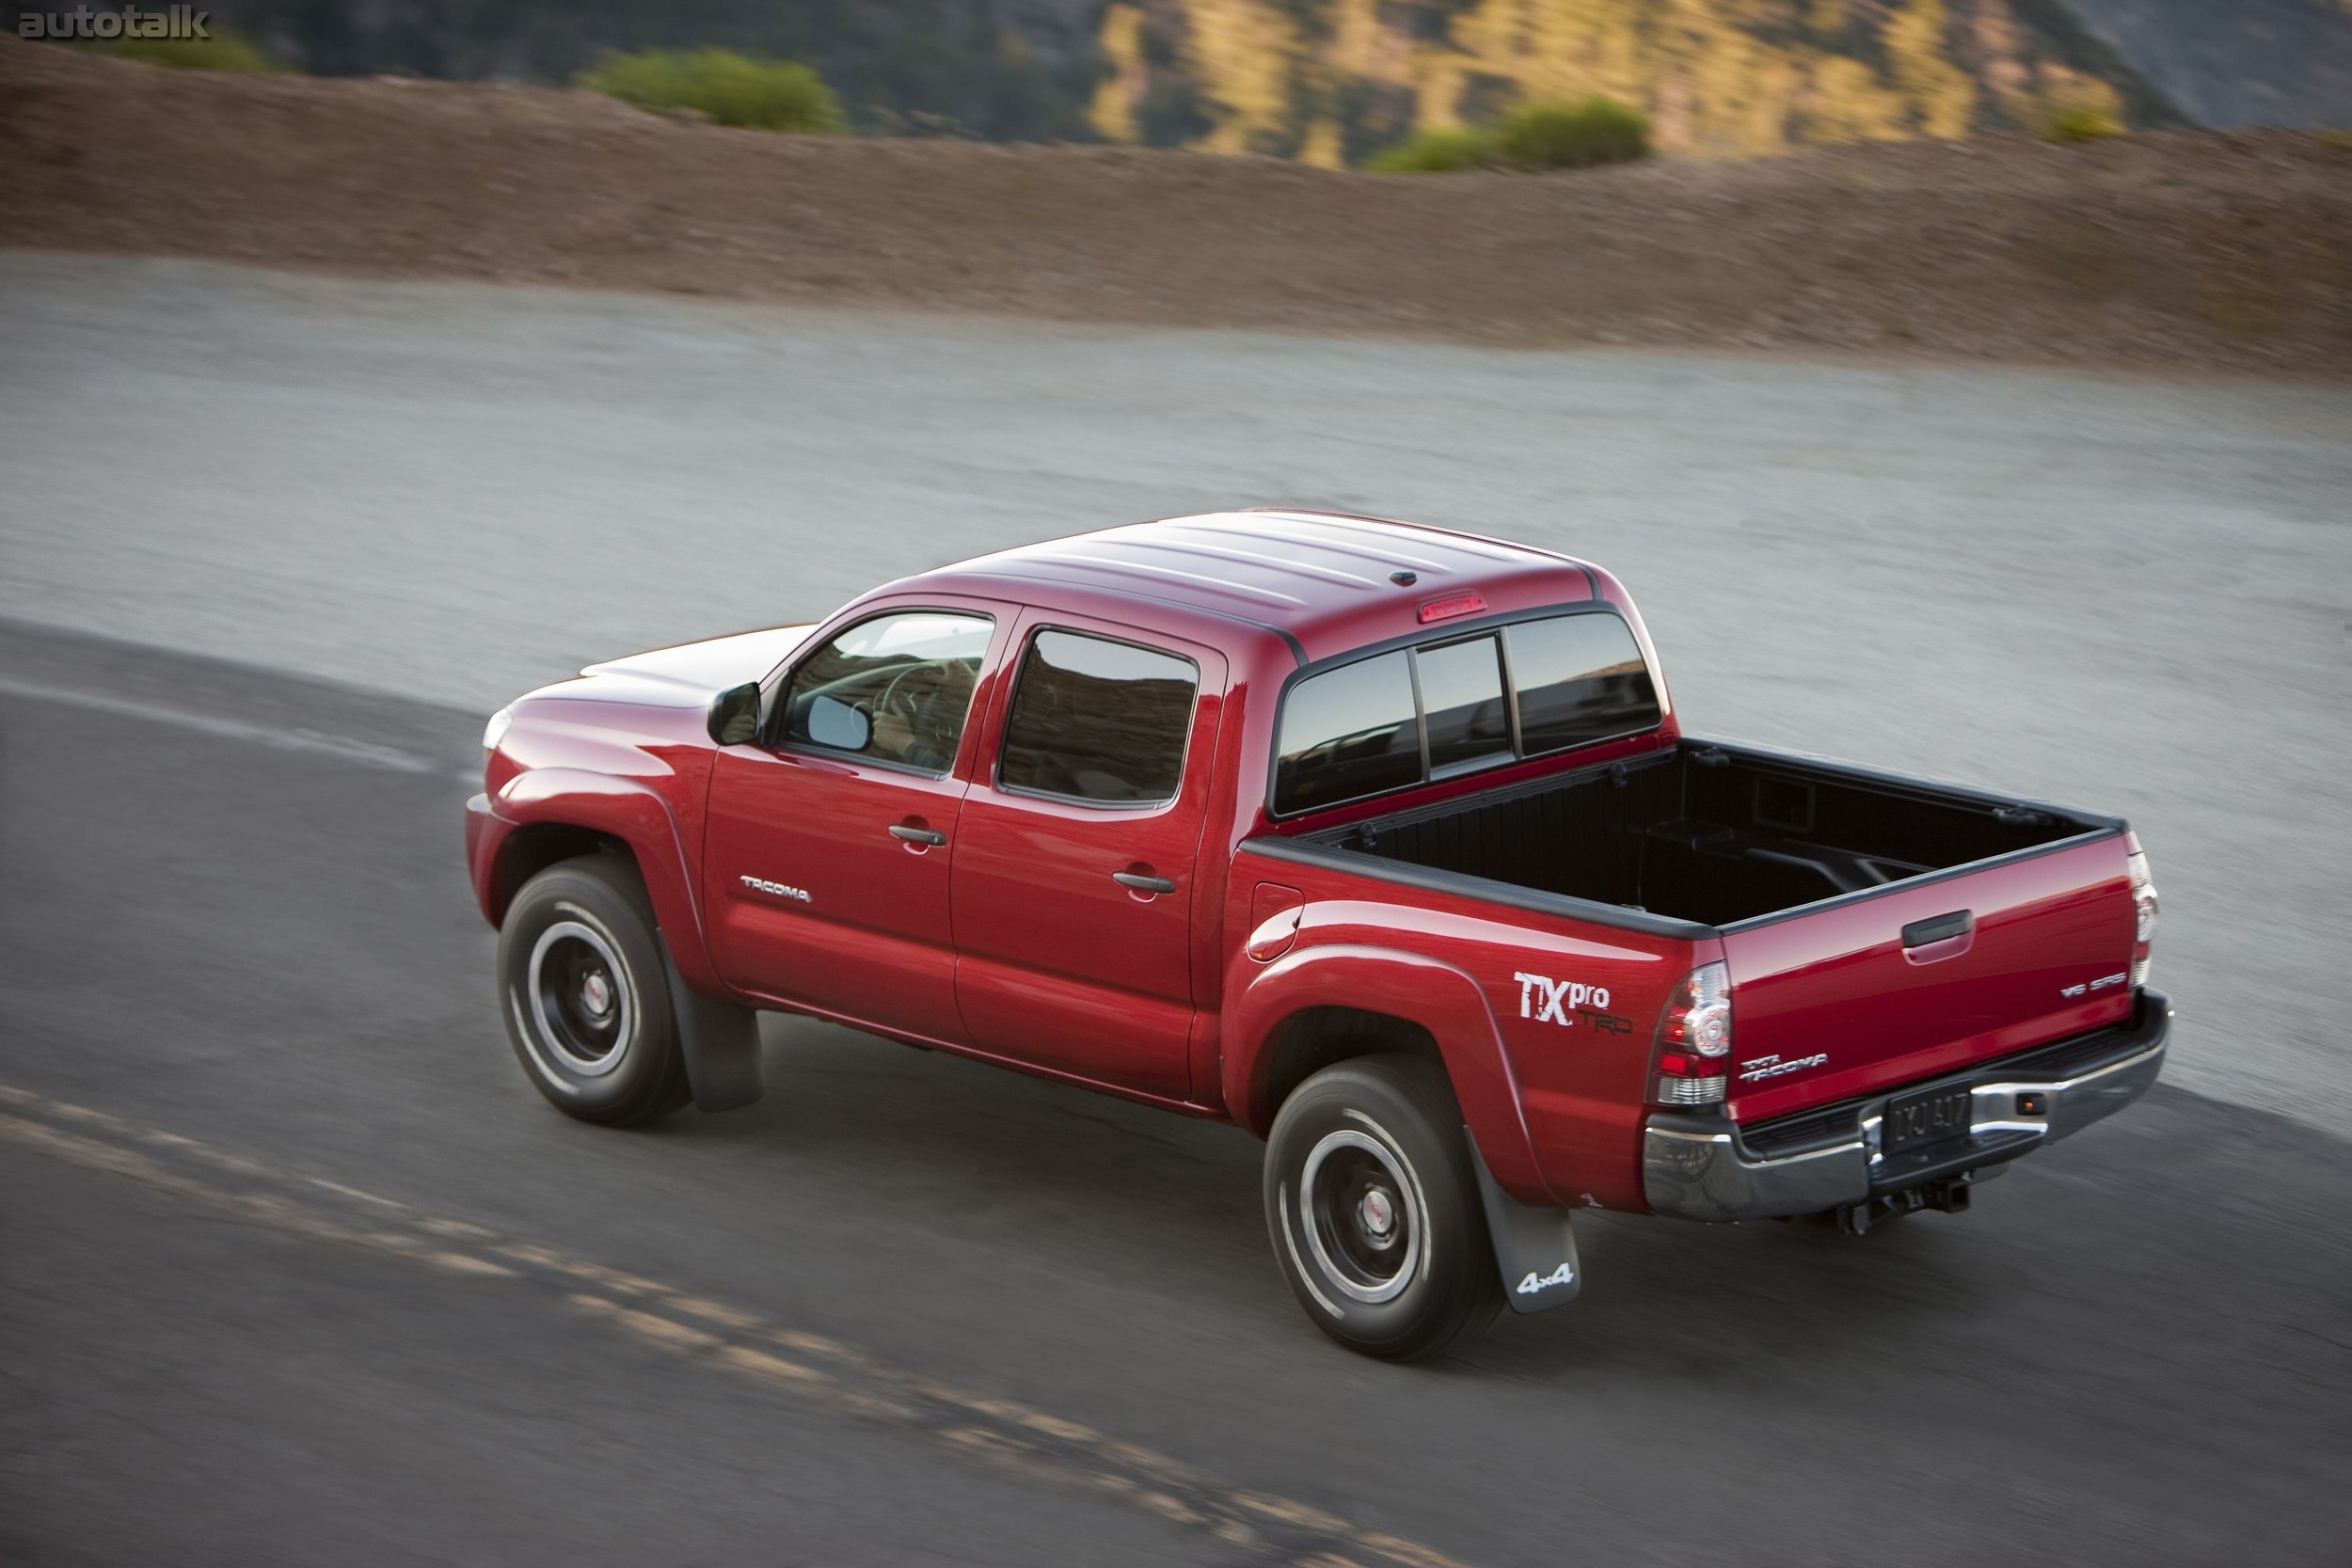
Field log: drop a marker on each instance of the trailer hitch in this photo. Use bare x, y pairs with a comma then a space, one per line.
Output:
1947, 1195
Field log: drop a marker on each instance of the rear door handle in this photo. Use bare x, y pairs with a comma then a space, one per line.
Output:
1141, 883
918, 835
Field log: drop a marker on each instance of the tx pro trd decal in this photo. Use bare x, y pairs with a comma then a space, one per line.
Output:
1563, 1001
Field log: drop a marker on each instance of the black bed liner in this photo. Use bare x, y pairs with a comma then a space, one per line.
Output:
1699, 836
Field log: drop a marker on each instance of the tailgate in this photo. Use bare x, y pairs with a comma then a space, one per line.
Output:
1831, 1001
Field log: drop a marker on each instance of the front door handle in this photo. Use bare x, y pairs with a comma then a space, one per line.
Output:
1141, 883
918, 835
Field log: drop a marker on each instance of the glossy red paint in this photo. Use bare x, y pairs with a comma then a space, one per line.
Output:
1062, 965
1555, 1106
1319, 578
1839, 982
1275, 912
625, 771
878, 946
777, 880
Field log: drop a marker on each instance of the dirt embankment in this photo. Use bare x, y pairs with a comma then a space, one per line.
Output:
2182, 249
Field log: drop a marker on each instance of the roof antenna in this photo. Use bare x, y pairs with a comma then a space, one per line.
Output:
1404, 579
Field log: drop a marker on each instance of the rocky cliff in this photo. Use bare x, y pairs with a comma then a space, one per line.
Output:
1325, 81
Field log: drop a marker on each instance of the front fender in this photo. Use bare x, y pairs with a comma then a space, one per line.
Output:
1442, 1000
621, 808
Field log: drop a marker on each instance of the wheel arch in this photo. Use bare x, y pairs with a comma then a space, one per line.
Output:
1327, 1005
547, 816
1324, 1033
536, 845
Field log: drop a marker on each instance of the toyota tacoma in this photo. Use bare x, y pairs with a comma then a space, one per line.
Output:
1381, 841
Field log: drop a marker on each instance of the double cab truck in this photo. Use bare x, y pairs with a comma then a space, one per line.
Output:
1381, 841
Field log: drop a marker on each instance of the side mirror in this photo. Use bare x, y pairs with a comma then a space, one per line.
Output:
735, 715
835, 723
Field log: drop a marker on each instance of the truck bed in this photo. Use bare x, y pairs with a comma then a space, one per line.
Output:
1714, 834
1877, 929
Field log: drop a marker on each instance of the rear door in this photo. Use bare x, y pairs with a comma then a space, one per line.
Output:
830, 842
1864, 993
1076, 860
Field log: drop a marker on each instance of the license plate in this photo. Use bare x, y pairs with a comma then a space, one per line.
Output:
1928, 1117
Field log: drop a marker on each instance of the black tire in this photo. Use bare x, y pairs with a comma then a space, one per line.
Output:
1373, 1138
586, 930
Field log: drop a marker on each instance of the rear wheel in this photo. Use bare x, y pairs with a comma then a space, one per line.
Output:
1373, 1209
586, 996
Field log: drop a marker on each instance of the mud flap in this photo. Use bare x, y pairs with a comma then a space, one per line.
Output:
1535, 1247
721, 1045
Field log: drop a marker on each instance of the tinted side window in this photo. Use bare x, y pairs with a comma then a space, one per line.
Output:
1579, 678
1348, 732
895, 688
1461, 701
1098, 721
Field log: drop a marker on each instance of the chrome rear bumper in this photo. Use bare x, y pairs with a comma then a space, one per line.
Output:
1705, 1167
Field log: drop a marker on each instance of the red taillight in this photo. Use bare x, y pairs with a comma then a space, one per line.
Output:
2144, 909
1692, 1054
1458, 603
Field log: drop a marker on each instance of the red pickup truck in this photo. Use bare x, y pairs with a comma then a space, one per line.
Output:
1381, 841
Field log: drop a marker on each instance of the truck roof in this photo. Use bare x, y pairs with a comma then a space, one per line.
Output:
1324, 581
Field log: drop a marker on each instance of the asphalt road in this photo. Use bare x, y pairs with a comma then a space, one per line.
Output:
389, 1306
2123, 594
295, 1267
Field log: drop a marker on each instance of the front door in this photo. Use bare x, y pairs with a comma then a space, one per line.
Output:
1076, 861
830, 842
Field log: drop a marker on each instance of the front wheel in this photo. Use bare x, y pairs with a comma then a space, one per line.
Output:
1374, 1211
586, 996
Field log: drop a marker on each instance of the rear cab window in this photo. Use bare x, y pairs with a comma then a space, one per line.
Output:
1579, 678
1459, 705
1463, 705
1352, 731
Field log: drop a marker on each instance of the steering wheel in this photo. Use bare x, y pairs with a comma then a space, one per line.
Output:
909, 705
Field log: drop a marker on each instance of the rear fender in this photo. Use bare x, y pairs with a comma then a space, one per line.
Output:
623, 809
1442, 1000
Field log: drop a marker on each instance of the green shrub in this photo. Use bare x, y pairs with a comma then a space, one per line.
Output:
731, 88
1437, 151
1579, 134
2075, 123
225, 50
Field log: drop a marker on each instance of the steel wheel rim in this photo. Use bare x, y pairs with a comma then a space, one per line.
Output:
582, 1001
1351, 1183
